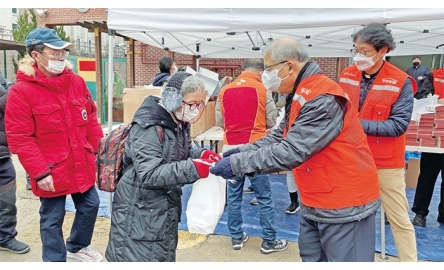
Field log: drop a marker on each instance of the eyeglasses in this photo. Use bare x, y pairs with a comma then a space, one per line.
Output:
57, 55
267, 67
362, 52
194, 106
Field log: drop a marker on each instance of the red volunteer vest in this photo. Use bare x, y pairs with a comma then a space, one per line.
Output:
388, 152
343, 174
438, 82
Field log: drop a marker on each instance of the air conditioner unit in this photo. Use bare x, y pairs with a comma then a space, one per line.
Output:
2, 29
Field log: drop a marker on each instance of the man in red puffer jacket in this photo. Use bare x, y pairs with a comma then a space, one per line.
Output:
52, 127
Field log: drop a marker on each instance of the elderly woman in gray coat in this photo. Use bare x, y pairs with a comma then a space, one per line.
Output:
158, 161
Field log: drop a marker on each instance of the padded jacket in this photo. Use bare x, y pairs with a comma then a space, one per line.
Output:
52, 126
146, 207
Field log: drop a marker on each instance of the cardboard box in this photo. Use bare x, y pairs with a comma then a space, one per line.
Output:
412, 173
133, 98
210, 114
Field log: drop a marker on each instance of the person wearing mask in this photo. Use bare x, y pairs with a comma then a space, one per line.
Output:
52, 127
8, 186
158, 160
245, 110
417, 72
382, 95
321, 141
167, 68
430, 164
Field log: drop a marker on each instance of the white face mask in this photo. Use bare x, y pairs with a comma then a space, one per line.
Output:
364, 63
54, 67
186, 114
271, 80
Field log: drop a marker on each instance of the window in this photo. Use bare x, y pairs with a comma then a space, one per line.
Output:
14, 26
14, 10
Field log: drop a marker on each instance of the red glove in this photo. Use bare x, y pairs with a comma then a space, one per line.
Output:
213, 156
203, 167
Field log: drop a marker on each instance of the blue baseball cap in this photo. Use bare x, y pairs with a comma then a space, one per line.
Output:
47, 37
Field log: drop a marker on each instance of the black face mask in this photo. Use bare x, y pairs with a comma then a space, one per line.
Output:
415, 64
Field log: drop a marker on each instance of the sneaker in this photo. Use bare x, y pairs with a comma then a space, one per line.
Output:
254, 201
15, 246
86, 254
419, 220
248, 190
293, 208
239, 243
278, 245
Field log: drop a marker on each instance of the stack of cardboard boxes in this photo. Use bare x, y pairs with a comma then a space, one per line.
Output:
134, 97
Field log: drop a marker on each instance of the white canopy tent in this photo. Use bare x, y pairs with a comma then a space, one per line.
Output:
243, 32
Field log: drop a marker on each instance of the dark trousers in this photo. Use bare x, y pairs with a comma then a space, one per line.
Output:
430, 165
344, 242
8, 210
52, 215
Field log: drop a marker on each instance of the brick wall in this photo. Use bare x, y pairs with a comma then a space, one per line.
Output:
69, 16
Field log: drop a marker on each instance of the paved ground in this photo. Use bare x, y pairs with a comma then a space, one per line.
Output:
192, 247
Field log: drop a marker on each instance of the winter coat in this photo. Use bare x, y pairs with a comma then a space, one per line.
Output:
52, 126
147, 206
4, 149
416, 72
161, 78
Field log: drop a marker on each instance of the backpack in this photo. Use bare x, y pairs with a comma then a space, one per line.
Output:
109, 163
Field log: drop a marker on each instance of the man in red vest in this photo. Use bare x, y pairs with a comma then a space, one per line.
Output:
431, 164
382, 95
320, 141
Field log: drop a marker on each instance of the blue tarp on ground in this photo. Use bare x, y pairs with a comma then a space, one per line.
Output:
429, 239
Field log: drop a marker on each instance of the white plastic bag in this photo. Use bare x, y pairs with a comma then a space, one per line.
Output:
206, 204
419, 106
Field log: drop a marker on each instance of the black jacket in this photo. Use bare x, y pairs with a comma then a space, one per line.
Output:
4, 149
416, 72
161, 78
147, 205
427, 87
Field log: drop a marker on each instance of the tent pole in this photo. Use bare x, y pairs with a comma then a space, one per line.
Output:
110, 95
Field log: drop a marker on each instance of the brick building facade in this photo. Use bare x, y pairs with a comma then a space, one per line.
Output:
147, 57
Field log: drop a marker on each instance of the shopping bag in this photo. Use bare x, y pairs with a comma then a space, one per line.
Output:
206, 204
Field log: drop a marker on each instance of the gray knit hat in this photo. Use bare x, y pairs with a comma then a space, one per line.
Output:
172, 94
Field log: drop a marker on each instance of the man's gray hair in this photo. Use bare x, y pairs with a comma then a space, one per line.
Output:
256, 63
283, 49
377, 35
190, 85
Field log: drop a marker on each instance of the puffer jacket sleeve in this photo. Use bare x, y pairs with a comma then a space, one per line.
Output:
270, 111
149, 163
95, 132
219, 117
399, 118
19, 131
319, 122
